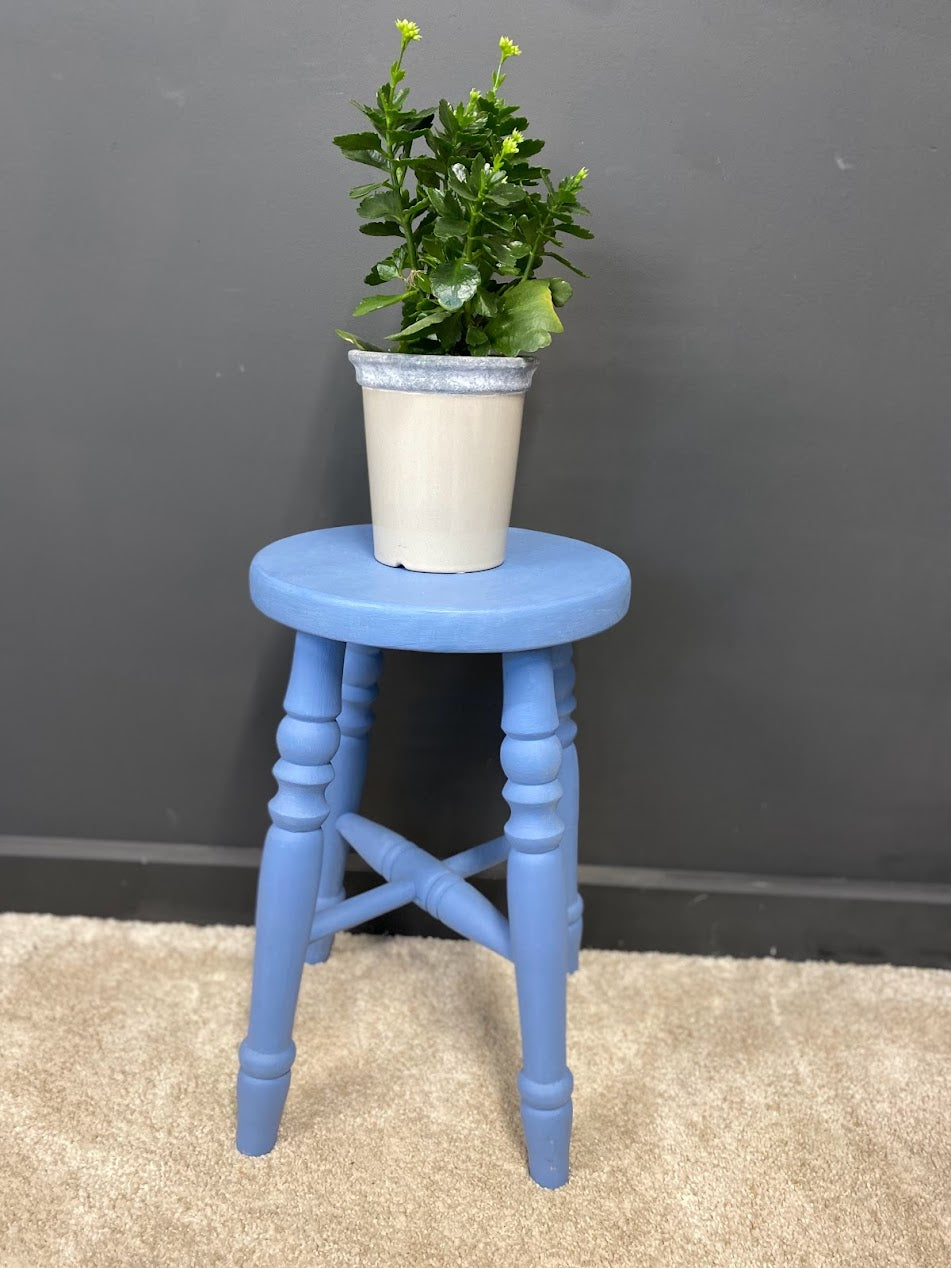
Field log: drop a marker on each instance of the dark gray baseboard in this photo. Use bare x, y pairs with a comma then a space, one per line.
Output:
628, 908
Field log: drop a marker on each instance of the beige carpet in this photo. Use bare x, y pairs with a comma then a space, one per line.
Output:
749, 1113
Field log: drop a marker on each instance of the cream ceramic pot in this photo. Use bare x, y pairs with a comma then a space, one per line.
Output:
442, 448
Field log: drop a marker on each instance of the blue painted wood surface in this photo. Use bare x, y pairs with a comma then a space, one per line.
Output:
479, 858
538, 907
361, 671
287, 888
563, 661
326, 585
351, 912
550, 590
436, 887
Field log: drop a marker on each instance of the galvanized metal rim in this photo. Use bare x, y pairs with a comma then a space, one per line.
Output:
406, 372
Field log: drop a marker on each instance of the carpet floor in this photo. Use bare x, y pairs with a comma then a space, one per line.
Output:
757, 1114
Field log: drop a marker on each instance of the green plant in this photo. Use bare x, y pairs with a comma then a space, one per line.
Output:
474, 219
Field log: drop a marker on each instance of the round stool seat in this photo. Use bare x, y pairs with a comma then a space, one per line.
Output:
550, 590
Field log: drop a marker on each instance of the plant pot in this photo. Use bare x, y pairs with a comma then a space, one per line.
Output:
442, 447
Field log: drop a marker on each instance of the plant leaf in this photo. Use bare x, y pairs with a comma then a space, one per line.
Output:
567, 263
526, 319
375, 117
423, 163
457, 183
484, 303
450, 227
381, 206
438, 201
449, 332
405, 136
382, 229
358, 342
476, 339
387, 270
373, 302
561, 291
430, 319
426, 177
477, 169
508, 253
361, 191
453, 283
500, 220
523, 174
576, 231
357, 141
371, 157
505, 195
446, 116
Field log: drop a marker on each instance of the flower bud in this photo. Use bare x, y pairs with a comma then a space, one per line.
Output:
408, 30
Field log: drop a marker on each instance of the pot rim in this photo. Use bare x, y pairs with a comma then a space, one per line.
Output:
425, 372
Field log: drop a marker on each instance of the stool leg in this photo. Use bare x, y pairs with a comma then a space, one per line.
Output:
568, 806
287, 888
361, 670
531, 758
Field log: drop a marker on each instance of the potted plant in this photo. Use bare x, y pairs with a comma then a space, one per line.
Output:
474, 221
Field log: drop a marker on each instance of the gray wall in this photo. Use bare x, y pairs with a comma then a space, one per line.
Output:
750, 405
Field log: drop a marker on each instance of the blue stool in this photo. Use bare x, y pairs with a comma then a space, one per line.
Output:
550, 592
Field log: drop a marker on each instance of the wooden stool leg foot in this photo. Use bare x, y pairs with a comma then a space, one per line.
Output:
547, 1139
538, 908
260, 1106
287, 887
361, 672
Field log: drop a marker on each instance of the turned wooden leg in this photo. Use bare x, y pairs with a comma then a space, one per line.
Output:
287, 889
361, 671
531, 759
568, 806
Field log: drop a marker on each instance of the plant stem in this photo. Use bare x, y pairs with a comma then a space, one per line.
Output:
396, 174
540, 239
474, 219
404, 220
